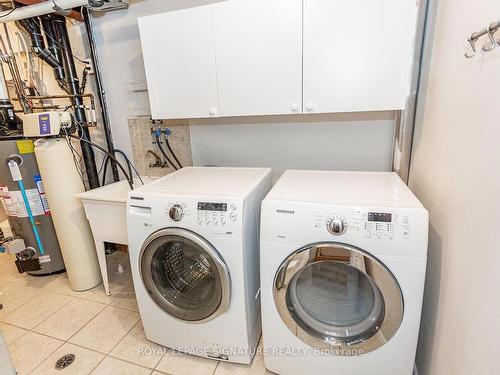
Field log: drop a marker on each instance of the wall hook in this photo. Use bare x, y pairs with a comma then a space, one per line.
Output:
472, 43
492, 42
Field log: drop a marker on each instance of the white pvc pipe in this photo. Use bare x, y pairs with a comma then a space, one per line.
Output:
39, 9
4, 92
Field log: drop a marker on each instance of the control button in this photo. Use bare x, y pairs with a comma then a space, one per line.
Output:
406, 233
200, 220
234, 207
223, 221
207, 221
379, 235
233, 216
176, 213
337, 225
215, 221
368, 235
406, 220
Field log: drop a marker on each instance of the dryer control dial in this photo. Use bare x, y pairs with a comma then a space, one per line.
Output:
176, 213
337, 225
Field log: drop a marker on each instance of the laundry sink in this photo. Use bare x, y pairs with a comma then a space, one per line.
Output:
106, 211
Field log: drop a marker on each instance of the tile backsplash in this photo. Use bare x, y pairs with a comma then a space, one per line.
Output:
142, 142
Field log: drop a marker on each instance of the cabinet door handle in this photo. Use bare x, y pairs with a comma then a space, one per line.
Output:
294, 107
212, 111
309, 107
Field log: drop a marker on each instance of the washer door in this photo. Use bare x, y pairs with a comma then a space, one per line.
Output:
185, 275
338, 297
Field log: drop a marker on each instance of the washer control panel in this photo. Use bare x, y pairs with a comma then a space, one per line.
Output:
337, 225
216, 213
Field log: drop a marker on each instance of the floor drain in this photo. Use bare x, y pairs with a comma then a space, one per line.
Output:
64, 362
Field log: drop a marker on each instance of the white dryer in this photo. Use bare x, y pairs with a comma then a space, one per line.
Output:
343, 260
194, 253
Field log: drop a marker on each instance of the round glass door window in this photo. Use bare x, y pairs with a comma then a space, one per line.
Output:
336, 295
185, 275
335, 300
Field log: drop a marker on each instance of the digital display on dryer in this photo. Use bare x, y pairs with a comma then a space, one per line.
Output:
207, 206
379, 217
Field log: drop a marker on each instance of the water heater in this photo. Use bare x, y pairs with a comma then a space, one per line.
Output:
12, 203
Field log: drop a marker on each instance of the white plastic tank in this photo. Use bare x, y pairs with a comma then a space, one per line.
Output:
62, 183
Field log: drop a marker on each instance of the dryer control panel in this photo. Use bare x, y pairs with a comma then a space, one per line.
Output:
372, 224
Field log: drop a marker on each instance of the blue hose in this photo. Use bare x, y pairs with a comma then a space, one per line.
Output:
32, 219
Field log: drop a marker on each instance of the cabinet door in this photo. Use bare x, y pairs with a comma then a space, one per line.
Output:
258, 46
357, 54
179, 59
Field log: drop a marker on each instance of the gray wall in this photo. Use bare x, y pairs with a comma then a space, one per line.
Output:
344, 142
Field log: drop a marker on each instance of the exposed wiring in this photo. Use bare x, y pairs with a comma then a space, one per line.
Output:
8, 14
110, 155
77, 158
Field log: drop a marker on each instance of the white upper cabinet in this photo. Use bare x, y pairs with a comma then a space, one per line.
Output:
265, 57
357, 54
179, 58
258, 46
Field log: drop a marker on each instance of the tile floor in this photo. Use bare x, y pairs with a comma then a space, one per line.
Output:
43, 319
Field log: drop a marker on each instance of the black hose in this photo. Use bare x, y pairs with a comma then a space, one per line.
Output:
110, 156
172, 151
105, 170
164, 153
126, 160
130, 164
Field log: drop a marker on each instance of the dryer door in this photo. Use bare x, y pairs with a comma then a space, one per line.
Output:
185, 275
338, 297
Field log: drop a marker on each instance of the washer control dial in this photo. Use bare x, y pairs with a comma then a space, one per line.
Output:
337, 225
176, 213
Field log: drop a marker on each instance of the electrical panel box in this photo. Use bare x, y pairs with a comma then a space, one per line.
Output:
45, 124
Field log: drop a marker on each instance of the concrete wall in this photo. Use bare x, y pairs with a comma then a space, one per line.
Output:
455, 174
362, 141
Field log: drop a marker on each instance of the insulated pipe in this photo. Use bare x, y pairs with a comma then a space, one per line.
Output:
36, 10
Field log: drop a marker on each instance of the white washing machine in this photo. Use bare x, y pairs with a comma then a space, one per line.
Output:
343, 260
194, 253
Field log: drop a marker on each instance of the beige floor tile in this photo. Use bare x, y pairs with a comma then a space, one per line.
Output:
8, 272
61, 285
112, 366
85, 361
107, 329
255, 368
14, 296
68, 320
36, 310
175, 363
135, 348
125, 301
30, 350
11, 333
